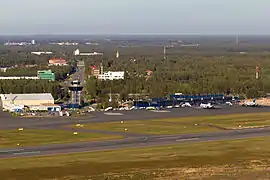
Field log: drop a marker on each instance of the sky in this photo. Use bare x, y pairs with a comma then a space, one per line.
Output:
134, 17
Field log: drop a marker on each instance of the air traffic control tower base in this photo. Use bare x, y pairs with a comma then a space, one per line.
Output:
76, 92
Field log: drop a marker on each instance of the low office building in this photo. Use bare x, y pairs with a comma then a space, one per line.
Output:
40, 53
95, 71
57, 62
46, 74
37, 102
110, 75
78, 53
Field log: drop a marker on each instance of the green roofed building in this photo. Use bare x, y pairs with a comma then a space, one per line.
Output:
46, 74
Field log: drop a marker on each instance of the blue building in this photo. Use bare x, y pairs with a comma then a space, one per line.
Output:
173, 100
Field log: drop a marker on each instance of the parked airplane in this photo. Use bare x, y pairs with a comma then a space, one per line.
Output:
150, 108
207, 106
250, 104
108, 109
229, 103
186, 105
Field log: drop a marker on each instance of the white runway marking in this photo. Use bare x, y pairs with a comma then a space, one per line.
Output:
187, 139
23, 153
161, 111
113, 114
10, 150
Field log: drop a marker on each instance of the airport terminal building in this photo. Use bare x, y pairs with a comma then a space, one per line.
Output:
176, 99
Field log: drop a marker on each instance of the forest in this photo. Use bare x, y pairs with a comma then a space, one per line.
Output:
186, 70
188, 74
20, 59
33, 86
60, 72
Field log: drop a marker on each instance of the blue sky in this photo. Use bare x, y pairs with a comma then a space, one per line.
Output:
134, 17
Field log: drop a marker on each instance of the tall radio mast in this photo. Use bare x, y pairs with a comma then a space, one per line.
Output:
164, 52
257, 72
237, 39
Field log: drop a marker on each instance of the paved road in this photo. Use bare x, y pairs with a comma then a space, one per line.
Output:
132, 142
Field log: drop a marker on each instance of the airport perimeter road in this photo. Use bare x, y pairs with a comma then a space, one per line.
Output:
132, 143
9, 122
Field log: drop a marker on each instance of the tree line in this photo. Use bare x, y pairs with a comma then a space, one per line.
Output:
60, 72
185, 70
188, 74
32, 86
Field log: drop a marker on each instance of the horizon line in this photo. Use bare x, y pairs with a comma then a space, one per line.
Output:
130, 34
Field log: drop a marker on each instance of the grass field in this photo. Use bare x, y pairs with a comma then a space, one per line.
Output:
10, 138
149, 127
231, 121
186, 125
246, 159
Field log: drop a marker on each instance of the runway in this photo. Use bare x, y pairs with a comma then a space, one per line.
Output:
133, 142
130, 140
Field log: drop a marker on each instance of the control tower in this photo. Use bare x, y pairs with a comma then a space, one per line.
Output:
76, 90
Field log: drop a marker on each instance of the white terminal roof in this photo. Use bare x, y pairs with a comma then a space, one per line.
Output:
36, 96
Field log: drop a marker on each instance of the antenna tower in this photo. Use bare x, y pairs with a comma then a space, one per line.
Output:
164, 52
117, 54
257, 72
237, 39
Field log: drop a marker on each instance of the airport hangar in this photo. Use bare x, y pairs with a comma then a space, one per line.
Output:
34, 102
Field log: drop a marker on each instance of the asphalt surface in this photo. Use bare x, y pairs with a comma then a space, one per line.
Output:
8, 122
131, 143
130, 140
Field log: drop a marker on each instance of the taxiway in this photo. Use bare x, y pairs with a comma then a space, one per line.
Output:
130, 140
133, 142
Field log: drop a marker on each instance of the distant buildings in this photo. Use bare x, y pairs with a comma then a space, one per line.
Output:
78, 53
92, 43
95, 71
112, 75
22, 43
41, 52
189, 45
30, 65
80, 64
57, 62
16, 44
18, 77
99, 73
65, 43
46, 74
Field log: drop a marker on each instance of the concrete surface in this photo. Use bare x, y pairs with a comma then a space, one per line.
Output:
130, 140
131, 143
